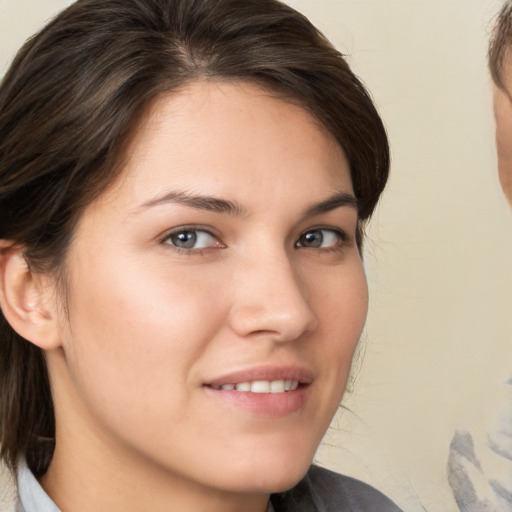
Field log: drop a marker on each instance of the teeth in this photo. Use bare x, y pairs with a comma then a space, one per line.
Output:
261, 386
277, 386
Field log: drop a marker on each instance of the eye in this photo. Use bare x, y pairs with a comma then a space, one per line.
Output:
321, 238
190, 239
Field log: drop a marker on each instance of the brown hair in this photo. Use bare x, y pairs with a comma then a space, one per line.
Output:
75, 92
500, 44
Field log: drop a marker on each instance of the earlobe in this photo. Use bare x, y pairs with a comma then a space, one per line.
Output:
24, 300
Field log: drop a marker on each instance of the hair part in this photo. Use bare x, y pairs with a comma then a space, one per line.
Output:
75, 94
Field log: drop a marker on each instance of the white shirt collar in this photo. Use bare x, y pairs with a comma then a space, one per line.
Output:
32, 497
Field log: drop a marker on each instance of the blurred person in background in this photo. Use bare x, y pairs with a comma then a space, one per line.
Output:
481, 474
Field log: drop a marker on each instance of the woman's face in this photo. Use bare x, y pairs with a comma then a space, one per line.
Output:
224, 257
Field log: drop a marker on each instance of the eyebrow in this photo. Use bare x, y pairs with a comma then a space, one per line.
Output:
199, 202
336, 201
224, 206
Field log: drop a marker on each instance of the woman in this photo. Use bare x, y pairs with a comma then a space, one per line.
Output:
183, 190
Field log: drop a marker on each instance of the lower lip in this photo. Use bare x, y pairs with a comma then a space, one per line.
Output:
264, 404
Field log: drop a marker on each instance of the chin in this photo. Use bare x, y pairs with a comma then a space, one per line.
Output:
283, 482
272, 474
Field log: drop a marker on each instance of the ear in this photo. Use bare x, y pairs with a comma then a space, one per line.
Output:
25, 301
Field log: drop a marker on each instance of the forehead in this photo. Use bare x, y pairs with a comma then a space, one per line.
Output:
224, 133
225, 103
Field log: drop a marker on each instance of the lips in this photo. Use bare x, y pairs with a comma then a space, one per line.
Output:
272, 392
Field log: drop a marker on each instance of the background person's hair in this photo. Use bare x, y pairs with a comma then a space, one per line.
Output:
500, 44
73, 97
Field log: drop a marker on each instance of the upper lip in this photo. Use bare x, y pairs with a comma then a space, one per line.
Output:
268, 373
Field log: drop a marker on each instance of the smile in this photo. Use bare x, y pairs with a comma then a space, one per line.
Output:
260, 386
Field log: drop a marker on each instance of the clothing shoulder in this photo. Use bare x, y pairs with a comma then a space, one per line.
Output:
322, 490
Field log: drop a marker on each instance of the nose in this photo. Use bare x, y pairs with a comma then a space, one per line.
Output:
270, 299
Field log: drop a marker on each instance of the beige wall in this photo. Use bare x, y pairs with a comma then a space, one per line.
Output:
439, 336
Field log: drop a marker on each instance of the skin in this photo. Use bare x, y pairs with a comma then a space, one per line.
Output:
502, 100
148, 324
503, 118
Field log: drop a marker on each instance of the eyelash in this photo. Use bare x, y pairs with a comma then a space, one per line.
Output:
343, 239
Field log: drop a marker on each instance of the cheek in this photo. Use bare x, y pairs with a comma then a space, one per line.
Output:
341, 304
344, 304
135, 338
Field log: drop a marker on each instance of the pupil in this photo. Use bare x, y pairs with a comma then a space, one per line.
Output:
313, 239
185, 239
